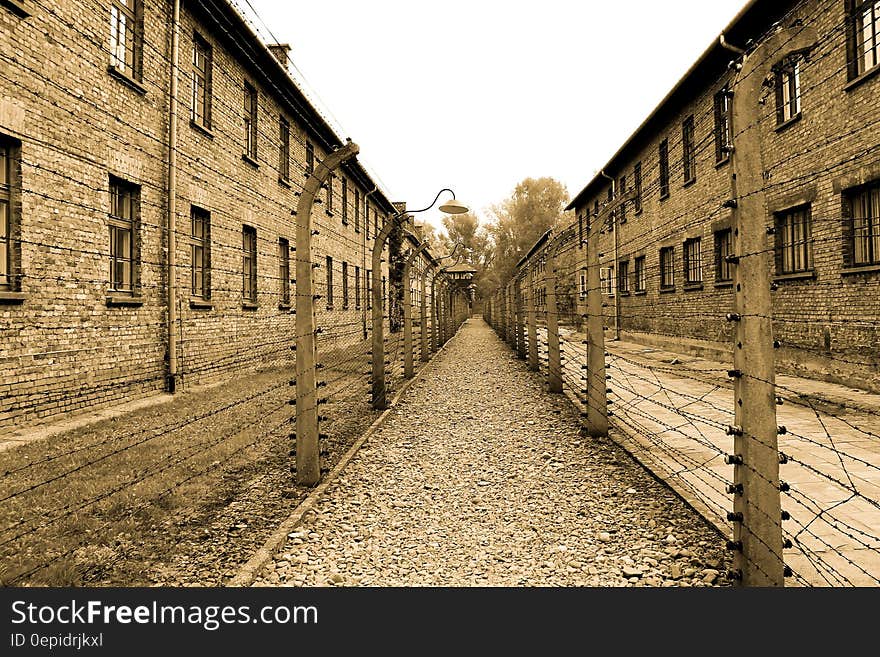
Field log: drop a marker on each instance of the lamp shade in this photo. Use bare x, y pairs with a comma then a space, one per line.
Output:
454, 207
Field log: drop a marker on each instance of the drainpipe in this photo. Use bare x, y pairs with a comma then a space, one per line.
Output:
614, 274
171, 276
724, 44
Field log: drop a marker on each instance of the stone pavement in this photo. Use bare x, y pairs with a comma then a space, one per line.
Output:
481, 478
672, 411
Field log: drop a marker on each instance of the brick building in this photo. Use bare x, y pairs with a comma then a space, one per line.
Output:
85, 172
664, 261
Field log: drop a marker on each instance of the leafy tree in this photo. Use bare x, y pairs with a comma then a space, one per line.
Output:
536, 206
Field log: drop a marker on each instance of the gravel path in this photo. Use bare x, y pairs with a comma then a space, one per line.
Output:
481, 478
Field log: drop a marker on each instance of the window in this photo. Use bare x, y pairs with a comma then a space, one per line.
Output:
345, 286
637, 184
367, 220
126, 37
284, 149
664, 168
583, 288
249, 264
621, 192
688, 150
723, 248
368, 285
864, 46
580, 230
788, 90
329, 204
284, 270
250, 122
641, 274
310, 158
357, 288
329, 266
606, 280
623, 276
667, 268
124, 202
693, 261
793, 248
357, 210
200, 241
863, 208
596, 208
344, 202
201, 82
9, 205
723, 124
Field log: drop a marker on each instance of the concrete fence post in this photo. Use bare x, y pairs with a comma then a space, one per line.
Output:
408, 346
554, 355
757, 513
532, 321
308, 453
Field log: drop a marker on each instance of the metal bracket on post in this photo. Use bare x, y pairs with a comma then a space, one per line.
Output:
757, 515
308, 453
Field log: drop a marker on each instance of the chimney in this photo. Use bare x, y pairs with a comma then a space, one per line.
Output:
281, 52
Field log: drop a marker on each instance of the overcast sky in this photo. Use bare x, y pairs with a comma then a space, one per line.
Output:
477, 95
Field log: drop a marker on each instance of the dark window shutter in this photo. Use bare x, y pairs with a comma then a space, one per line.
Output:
778, 243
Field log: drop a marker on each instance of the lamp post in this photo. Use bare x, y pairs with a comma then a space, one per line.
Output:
451, 206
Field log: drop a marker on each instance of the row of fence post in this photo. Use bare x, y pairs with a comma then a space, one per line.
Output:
756, 519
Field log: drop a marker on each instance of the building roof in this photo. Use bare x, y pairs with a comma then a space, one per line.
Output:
229, 27
749, 24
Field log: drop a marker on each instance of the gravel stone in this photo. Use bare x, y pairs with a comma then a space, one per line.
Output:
480, 477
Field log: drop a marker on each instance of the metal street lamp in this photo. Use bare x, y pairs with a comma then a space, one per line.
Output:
451, 206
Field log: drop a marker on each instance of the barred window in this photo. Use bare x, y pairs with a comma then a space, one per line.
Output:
357, 210
723, 124
663, 153
284, 270
623, 276
344, 201
606, 280
793, 241
9, 221
124, 202
688, 147
249, 264
284, 149
723, 248
863, 208
310, 158
788, 90
201, 82
200, 244
368, 288
345, 286
637, 185
126, 37
693, 261
329, 204
667, 268
357, 287
641, 274
864, 37
250, 121
329, 281
621, 191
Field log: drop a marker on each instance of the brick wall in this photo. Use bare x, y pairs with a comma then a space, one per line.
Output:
826, 318
64, 346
